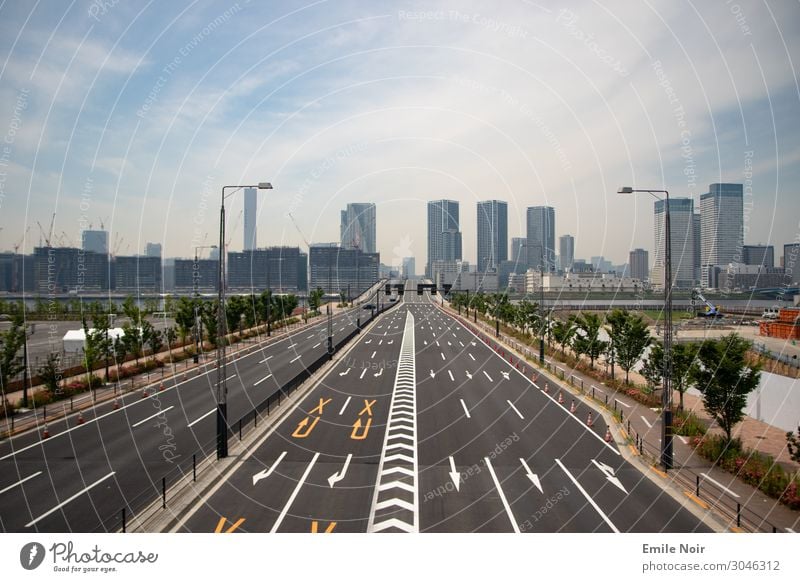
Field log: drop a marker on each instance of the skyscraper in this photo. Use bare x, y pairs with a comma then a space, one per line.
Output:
152, 250
519, 254
444, 236
681, 212
566, 251
721, 227
357, 229
492, 234
95, 241
639, 264
696, 239
762, 255
409, 268
250, 213
541, 237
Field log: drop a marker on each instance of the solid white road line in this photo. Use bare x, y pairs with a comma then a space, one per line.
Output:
586, 495
373, 355
286, 507
316, 345
451, 375
10, 487
141, 422
502, 495
346, 402
63, 503
647, 422
442, 354
194, 422
292, 361
511, 404
464, 406
268, 376
265, 359
471, 356
622, 403
718, 484
488, 376
364, 371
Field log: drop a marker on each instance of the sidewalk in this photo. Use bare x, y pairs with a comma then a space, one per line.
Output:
692, 473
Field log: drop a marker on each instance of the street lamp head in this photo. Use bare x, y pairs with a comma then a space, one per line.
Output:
625, 190
264, 186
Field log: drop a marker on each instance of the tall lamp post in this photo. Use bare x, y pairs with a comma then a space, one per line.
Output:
666, 397
222, 389
541, 309
198, 322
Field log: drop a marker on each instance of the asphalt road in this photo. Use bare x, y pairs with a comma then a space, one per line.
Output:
80, 477
425, 428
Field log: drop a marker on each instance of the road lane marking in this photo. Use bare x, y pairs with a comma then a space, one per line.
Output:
451, 375
309, 337
373, 354
589, 499
531, 475
364, 371
647, 422
329, 529
502, 495
151, 417
511, 404
286, 507
295, 359
464, 406
267, 377
682, 439
455, 476
345, 373
622, 403
267, 472
73, 498
194, 422
264, 360
339, 475
718, 484
442, 354
346, 402
316, 345
28, 478
471, 356
234, 525
488, 376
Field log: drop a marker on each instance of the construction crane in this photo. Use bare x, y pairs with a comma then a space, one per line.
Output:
233, 229
711, 310
300, 232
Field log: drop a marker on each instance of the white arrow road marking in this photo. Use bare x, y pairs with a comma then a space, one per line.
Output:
432, 374
472, 343
464, 406
502, 495
451, 375
471, 356
505, 375
63, 503
609, 473
379, 372
488, 376
647, 423
286, 507
267, 472
586, 495
531, 475
364, 371
511, 404
469, 376
336, 477
346, 402
151, 417
390, 342
369, 341
718, 484
20, 482
455, 475
425, 342
345, 373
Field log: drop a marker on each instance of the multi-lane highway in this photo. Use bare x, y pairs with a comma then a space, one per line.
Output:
422, 427
81, 477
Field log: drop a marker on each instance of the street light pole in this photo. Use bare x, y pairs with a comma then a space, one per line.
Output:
222, 389
666, 396
541, 308
198, 322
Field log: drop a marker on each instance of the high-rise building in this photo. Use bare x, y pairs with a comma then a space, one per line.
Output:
492, 234
566, 251
639, 264
139, 274
152, 250
201, 276
519, 254
357, 229
337, 270
258, 269
72, 270
302, 271
763, 255
791, 263
444, 236
697, 240
250, 215
541, 223
722, 226
681, 212
409, 269
95, 241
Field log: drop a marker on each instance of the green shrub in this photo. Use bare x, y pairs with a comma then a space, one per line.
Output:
687, 423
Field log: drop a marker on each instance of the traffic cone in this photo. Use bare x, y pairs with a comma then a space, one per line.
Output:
116, 404
572, 407
144, 392
546, 387
589, 421
608, 435
80, 418
560, 398
45, 432
161, 386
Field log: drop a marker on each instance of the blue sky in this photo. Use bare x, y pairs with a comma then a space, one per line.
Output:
135, 114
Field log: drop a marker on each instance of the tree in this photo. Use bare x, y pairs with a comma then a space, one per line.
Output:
101, 331
208, 313
653, 367
793, 444
152, 337
725, 379
615, 329
171, 335
50, 372
11, 342
315, 298
563, 331
94, 341
133, 340
184, 318
631, 344
587, 339
233, 313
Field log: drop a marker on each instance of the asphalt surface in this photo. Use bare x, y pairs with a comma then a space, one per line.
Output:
423, 427
81, 477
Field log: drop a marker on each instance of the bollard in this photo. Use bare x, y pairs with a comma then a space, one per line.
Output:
123, 520
629, 426
163, 492
255, 418
44, 417
240, 429
70, 402
194, 466
738, 515
621, 415
606, 399
593, 392
697, 486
